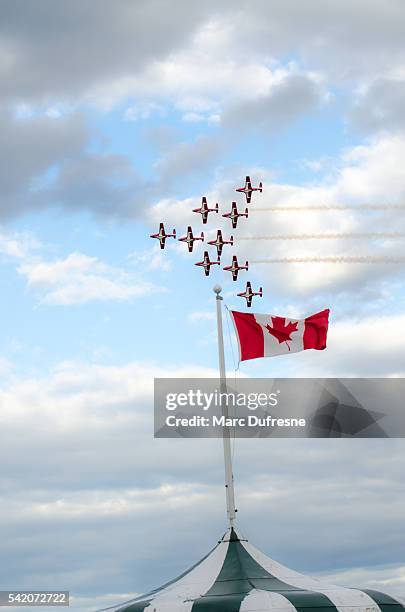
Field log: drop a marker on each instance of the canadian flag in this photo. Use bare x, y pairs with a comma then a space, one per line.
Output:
262, 335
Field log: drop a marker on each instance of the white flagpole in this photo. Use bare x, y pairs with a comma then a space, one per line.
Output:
229, 486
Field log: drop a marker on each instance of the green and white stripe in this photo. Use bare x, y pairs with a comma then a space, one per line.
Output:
236, 577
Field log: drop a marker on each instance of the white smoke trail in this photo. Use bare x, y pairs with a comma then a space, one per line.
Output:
365, 259
359, 208
336, 236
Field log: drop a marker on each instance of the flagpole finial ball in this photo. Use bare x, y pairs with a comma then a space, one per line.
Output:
217, 289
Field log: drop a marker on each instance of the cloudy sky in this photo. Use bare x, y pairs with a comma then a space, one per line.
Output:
115, 116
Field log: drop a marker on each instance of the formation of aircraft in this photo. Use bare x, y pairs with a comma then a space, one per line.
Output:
235, 267
190, 239
204, 210
219, 241
248, 294
161, 235
234, 215
206, 263
248, 189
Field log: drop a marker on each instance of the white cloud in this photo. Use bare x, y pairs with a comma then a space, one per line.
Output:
79, 279
6, 367
142, 111
201, 315
105, 503
373, 172
17, 245
154, 259
198, 117
224, 77
77, 395
380, 579
362, 346
379, 104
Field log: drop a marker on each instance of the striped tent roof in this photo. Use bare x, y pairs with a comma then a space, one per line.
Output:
236, 577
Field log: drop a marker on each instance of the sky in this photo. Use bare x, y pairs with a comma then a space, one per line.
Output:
115, 116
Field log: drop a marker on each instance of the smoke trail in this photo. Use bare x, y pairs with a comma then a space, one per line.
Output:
337, 236
359, 208
366, 259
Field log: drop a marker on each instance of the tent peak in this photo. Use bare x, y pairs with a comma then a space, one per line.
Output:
232, 536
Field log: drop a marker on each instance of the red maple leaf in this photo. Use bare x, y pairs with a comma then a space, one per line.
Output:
280, 330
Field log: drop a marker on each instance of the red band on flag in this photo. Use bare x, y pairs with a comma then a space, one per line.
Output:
316, 330
250, 335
